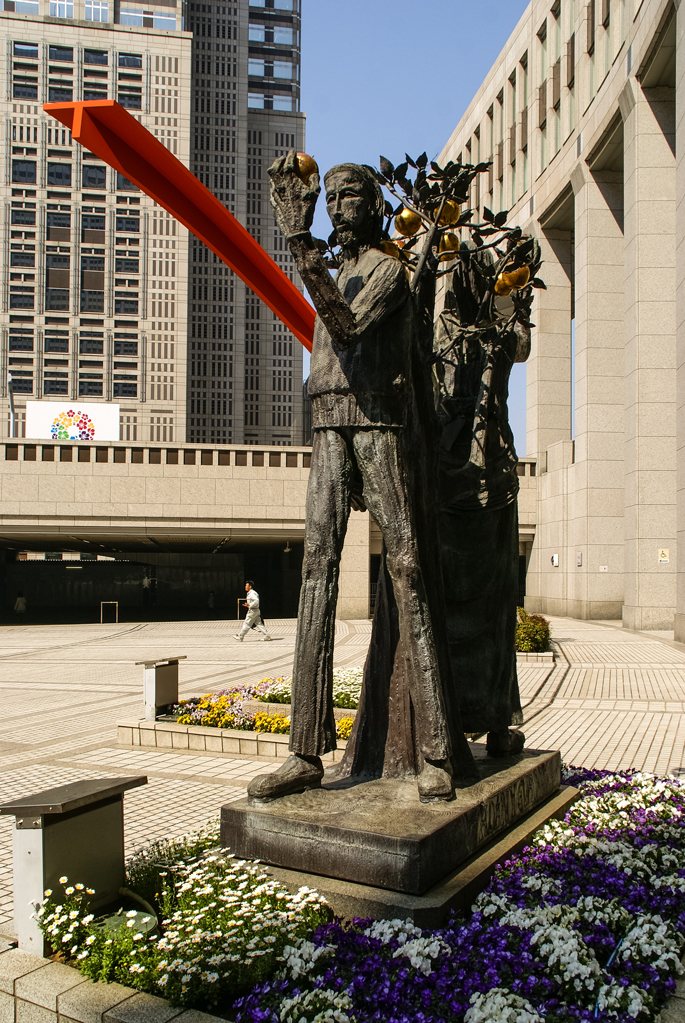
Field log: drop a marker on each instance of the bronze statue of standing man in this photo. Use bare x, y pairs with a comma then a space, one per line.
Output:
361, 389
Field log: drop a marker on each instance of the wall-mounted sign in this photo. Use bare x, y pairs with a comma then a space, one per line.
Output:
664, 555
73, 420
555, 560
604, 568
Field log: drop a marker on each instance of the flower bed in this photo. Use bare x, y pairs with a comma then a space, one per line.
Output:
229, 708
586, 924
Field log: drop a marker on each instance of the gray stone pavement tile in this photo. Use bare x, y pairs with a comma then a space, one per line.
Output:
142, 1008
43, 986
88, 1001
15, 964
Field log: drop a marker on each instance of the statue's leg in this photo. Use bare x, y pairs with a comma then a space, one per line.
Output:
387, 498
312, 730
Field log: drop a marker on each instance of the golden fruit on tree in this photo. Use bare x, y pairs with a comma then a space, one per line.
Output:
407, 223
305, 166
512, 280
451, 212
390, 249
449, 244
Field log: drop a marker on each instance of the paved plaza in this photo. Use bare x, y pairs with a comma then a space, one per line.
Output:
612, 699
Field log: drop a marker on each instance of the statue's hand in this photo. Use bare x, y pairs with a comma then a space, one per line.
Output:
292, 200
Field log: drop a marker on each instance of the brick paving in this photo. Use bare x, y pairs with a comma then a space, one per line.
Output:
612, 699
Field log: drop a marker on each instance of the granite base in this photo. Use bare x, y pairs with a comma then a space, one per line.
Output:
454, 893
378, 833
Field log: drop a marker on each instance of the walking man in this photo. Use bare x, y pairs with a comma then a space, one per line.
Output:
253, 618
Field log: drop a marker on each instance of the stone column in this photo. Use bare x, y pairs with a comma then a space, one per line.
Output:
353, 594
548, 403
680, 316
548, 370
595, 536
650, 356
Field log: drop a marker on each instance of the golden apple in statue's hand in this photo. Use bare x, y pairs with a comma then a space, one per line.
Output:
305, 166
408, 223
390, 249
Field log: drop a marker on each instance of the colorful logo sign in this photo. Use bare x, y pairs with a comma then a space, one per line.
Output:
72, 425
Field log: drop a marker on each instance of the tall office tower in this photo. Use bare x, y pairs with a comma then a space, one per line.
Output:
94, 274
244, 367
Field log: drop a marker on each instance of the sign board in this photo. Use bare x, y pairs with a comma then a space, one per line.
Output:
664, 555
84, 421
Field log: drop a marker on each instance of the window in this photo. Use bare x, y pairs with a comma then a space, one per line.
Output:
29, 51
92, 301
283, 69
97, 10
63, 53
55, 386
96, 263
53, 343
257, 33
57, 298
126, 266
131, 224
91, 343
129, 17
60, 94
164, 21
124, 185
125, 389
99, 92
283, 35
93, 176
21, 340
24, 217
95, 57
125, 347
255, 101
93, 387
255, 67
26, 7
283, 102
130, 60
24, 172
91, 223
59, 174
126, 306
61, 9
22, 300
22, 259
22, 385
23, 88
130, 100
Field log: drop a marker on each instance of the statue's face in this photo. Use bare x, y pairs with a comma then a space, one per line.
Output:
347, 205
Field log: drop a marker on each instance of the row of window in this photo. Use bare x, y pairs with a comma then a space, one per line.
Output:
258, 101
86, 388
257, 67
65, 54
280, 35
57, 300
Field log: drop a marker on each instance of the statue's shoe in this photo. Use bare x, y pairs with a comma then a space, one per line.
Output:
505, 742
435, 782
295, 775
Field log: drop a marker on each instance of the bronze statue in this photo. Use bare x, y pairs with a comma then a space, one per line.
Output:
428, 452
365, 408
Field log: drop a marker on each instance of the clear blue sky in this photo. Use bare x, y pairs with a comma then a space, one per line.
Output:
382, 77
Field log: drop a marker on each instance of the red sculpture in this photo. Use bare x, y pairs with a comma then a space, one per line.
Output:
105, 128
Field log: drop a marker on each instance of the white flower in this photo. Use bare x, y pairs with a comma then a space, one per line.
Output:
63, 880
500, 1006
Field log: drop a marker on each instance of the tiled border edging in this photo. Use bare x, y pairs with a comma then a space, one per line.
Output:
35, 990
167, 735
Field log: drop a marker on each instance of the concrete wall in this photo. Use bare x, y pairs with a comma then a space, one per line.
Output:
586, 163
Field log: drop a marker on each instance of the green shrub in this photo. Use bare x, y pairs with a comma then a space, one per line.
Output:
532, 633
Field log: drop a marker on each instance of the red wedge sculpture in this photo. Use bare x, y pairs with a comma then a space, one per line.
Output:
105, 128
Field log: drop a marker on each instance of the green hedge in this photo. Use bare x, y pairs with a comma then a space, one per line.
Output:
532, 633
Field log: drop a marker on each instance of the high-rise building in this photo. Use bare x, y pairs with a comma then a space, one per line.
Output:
244, 367
103, 295
93, 283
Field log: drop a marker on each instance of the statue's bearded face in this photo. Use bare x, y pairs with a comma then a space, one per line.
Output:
348, 206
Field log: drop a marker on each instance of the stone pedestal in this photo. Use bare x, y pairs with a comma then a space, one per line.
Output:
377, 833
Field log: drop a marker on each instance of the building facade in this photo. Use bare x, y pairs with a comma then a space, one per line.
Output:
580, 115
104, 296
94, 275
244, 367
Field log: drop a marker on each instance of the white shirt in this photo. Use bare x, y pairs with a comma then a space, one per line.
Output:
252, 598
